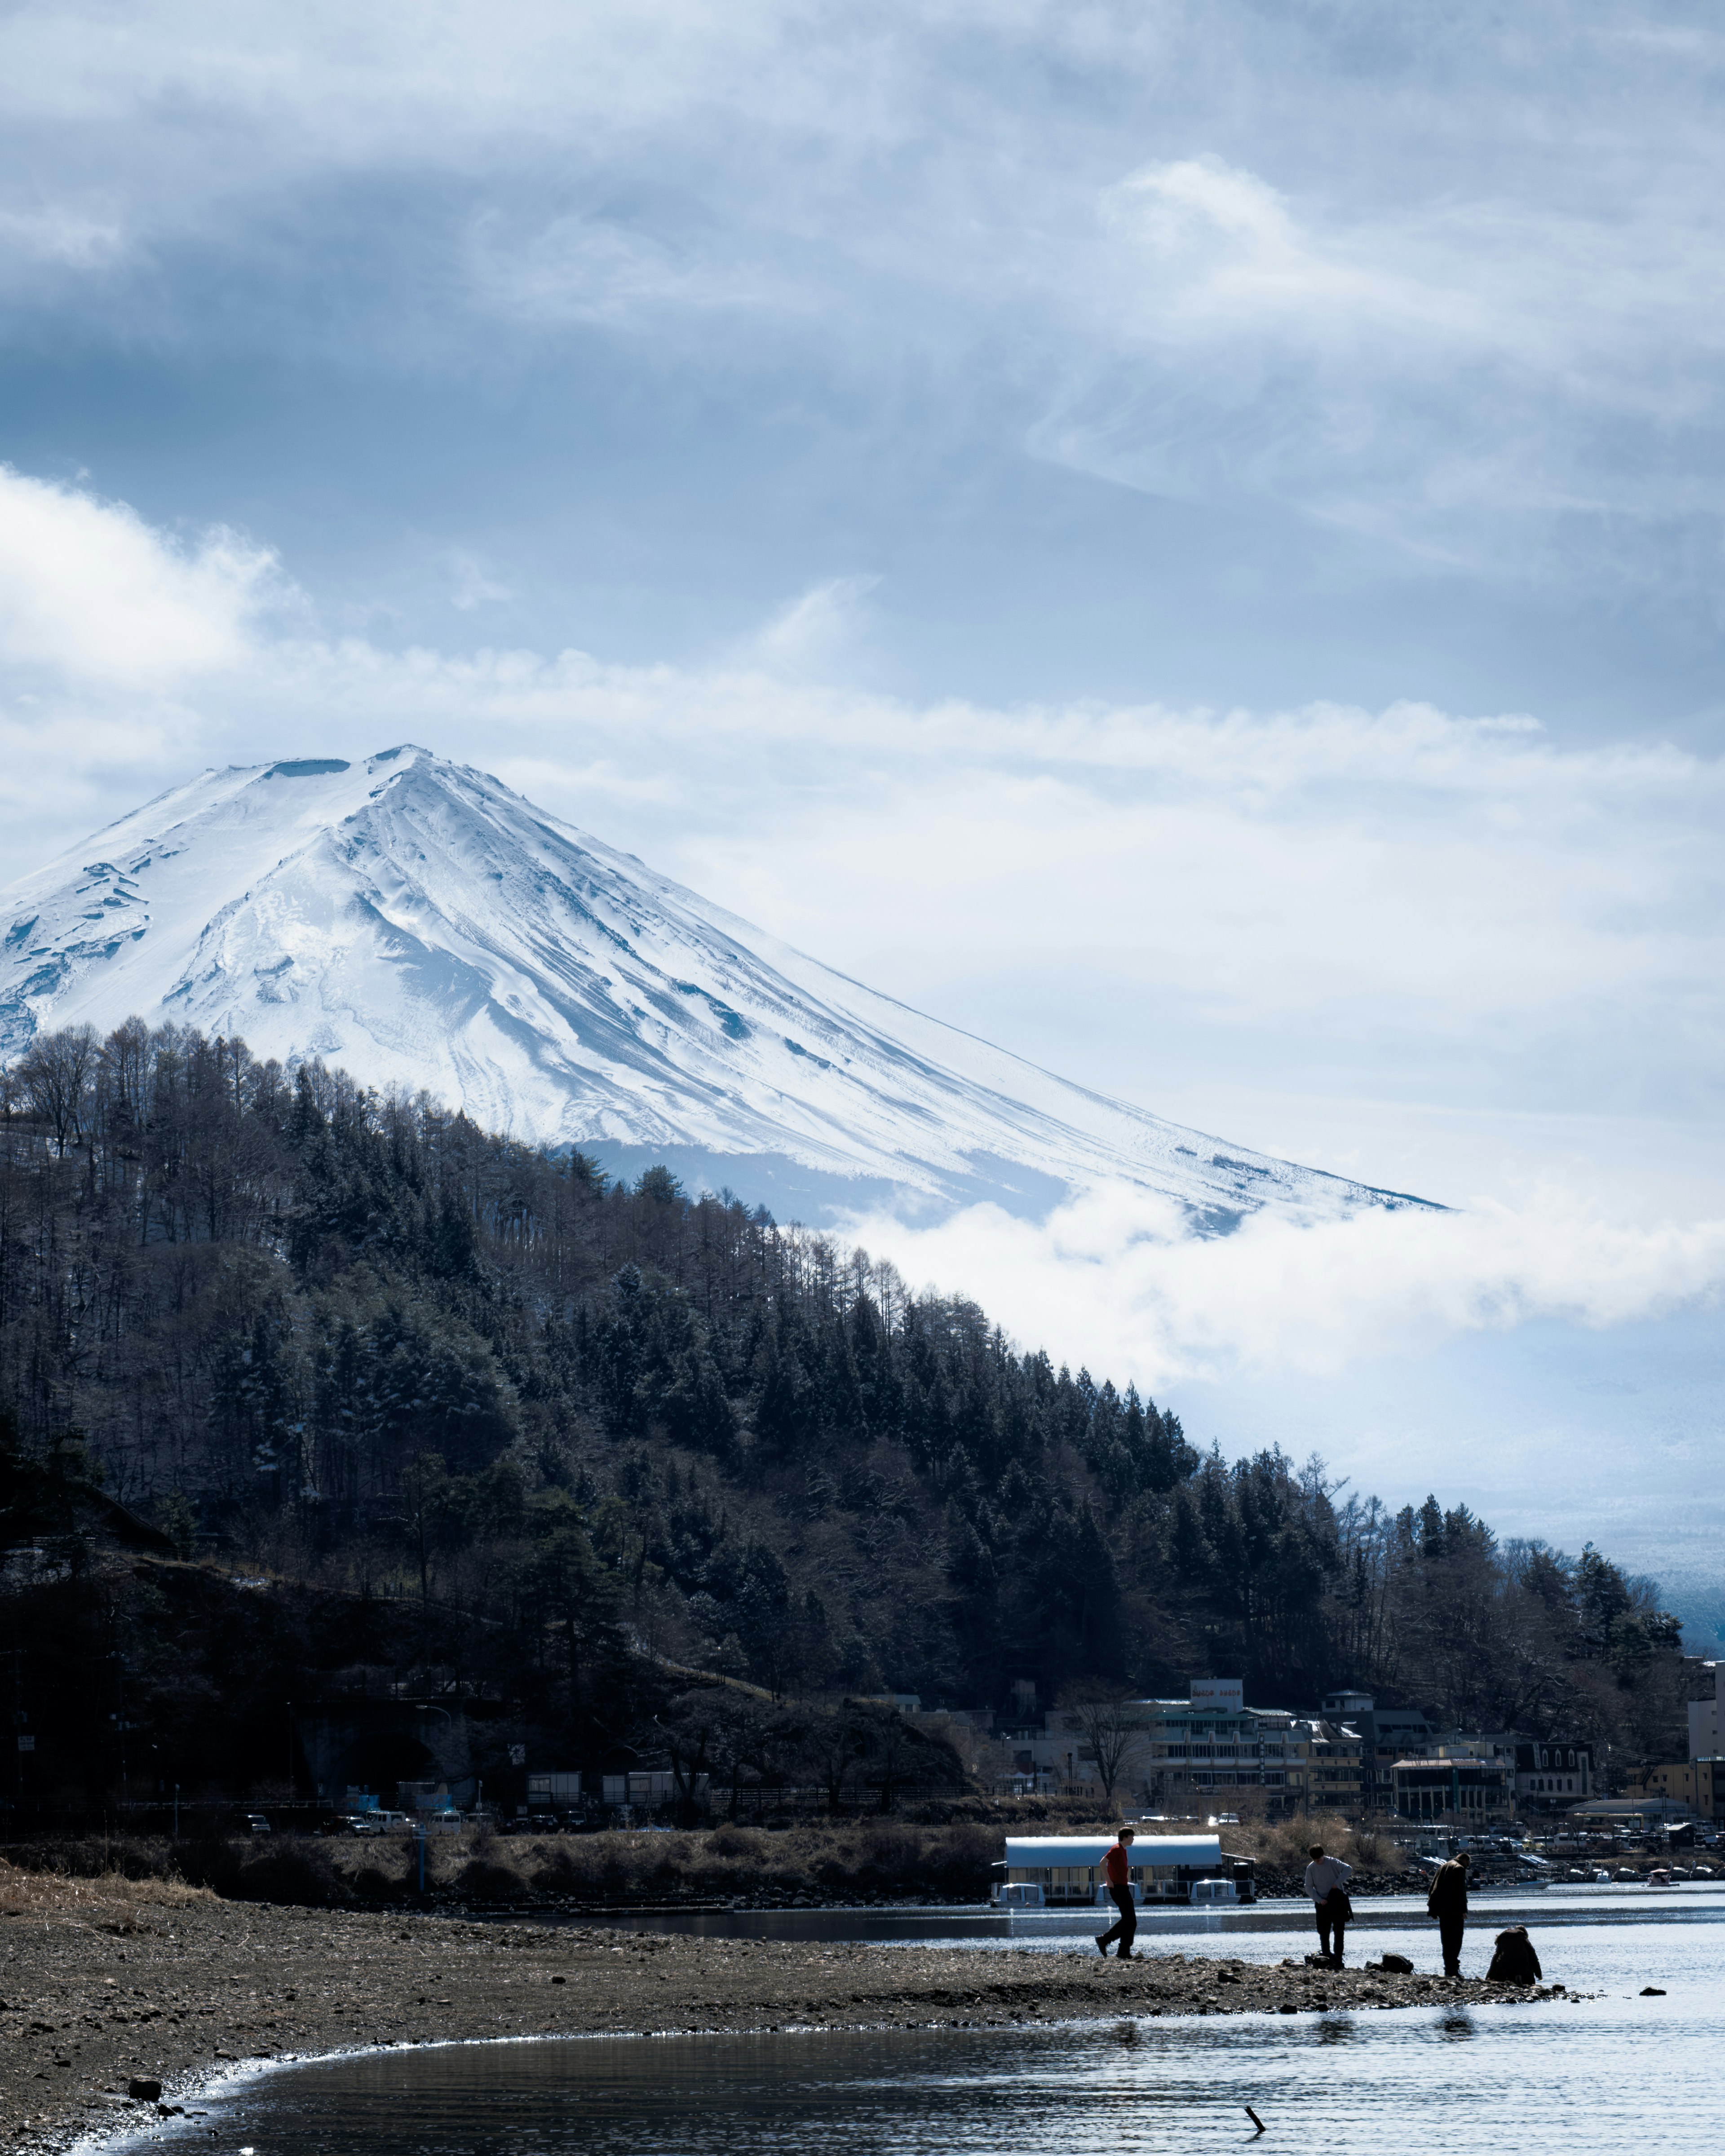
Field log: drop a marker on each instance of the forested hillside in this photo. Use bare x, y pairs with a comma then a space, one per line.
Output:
359, 1343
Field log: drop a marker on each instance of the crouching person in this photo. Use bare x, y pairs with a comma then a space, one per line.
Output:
1515, 1961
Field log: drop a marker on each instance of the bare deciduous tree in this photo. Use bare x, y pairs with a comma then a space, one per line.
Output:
57, 1073
1108, 1734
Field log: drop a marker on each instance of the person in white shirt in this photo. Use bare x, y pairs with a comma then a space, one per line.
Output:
1327, 1879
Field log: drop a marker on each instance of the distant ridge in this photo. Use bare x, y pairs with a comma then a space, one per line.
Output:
417, 921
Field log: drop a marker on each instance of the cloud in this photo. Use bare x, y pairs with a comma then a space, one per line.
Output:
1453, 290
817, 634
472, 585
1108, 1281
91, 594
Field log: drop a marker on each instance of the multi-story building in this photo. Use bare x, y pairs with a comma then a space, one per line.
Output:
1213, 1741
1177, 1754
1173, 1752
1387, 1734
1553, 1775
1460, 1788
1699, 1784
1331, 1766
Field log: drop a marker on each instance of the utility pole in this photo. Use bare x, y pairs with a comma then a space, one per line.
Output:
19, 1718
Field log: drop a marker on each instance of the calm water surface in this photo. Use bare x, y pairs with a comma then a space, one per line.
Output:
1605, 2073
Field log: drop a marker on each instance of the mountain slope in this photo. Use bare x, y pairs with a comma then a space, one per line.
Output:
420, 923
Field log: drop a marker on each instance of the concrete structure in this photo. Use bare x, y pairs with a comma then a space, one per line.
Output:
1707, 1740
1462, 1790
1067, 1868
1196, 1754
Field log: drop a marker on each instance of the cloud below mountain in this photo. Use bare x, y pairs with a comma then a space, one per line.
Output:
1111, 1276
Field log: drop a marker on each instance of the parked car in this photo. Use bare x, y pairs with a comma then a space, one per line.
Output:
449, 1822
255, 1823
380, 1822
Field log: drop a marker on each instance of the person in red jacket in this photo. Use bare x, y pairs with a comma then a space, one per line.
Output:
1117, 1872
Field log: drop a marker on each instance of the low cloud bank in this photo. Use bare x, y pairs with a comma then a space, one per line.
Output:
1109, 1281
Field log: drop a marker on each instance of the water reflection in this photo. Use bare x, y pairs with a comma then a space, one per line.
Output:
1594, 2075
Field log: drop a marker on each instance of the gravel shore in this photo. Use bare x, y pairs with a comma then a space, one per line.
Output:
105, 1983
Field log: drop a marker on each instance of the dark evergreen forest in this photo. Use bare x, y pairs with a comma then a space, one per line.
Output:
357, 1343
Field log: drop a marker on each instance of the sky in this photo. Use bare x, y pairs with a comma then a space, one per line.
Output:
1183, 539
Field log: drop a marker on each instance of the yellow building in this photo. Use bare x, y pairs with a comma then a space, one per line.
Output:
1329, 1769
1700, 1784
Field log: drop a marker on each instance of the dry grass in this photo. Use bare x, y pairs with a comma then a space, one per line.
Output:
110, 1897
1284, 1845
866, 1859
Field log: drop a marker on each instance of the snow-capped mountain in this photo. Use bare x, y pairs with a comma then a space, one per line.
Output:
418, 923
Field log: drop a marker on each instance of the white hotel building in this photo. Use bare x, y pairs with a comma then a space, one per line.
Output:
1209, 1744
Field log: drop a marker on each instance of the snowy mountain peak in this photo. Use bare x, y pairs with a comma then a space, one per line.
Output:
415, 921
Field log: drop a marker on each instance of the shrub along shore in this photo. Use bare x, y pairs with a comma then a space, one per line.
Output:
843, 1864
116, 1986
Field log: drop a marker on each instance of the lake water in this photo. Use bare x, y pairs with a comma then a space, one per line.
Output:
977, 1924
1601, 2074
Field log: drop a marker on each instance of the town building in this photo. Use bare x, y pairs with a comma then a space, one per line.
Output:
1697, 1784
1328, 1771
1186, 1755
1458, 1788
1551, 1776
1386, 1734
1174, 1753
1633, 1816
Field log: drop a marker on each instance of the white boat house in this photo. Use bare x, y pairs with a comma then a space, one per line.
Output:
1055, 1871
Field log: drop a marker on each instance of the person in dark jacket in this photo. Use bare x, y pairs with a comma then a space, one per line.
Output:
1116, 1873
1447, 1901
1515, 1961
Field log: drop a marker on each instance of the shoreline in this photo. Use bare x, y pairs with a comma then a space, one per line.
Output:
103, 1982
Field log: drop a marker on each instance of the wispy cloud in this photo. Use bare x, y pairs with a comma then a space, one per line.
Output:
816, 634
1455, 290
